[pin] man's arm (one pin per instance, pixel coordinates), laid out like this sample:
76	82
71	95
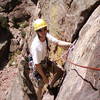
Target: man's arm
40	71
63	43
56	41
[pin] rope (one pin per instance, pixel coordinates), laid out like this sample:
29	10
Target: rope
88	67
68	60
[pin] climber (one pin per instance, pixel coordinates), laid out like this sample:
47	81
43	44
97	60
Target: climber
39	50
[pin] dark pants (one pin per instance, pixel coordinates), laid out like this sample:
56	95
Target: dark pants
48	67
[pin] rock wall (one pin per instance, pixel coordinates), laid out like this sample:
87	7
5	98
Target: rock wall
67	20
15	34
22	87
81	83
67	17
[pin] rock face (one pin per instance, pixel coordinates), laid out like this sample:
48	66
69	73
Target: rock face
22	87
67	17
15	16
69	20
80	83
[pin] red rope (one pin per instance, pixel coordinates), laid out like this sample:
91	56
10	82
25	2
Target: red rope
88	67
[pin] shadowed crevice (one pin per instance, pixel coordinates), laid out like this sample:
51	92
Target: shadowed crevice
35	1
11	5
32	95
85	14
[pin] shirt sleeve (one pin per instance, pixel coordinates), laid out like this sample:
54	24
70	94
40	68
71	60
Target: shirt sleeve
55	40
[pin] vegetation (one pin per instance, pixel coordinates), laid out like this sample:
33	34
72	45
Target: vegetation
12	57
3	22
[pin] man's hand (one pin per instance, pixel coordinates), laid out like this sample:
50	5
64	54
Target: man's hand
40	71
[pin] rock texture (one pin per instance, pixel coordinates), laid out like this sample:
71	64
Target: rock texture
68	20
15	16
22	87
81	83
6	80
67	17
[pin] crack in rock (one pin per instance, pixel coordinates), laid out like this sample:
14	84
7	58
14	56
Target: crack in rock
94	88
69	4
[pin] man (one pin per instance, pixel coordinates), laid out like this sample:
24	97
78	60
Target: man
39	52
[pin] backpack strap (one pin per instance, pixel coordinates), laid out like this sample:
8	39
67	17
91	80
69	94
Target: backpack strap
48	49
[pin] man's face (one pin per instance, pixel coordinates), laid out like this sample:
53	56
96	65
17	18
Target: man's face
42	32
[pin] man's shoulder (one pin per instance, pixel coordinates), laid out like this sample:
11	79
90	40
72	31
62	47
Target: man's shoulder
34	42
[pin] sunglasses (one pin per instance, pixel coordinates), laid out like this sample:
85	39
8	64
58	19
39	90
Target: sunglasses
42	30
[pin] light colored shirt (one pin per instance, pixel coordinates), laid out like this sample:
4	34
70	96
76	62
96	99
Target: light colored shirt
39	49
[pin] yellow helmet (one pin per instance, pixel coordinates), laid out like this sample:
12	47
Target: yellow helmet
38	24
